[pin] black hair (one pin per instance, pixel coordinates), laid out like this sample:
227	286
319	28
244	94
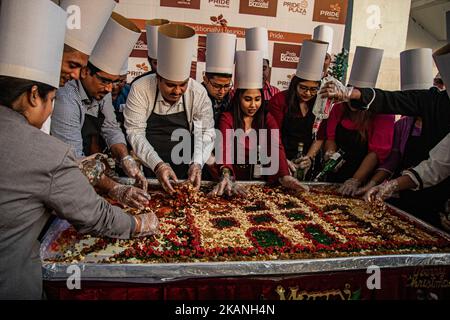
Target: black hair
69	49
12	88
293	100
238	115
92	69
210	75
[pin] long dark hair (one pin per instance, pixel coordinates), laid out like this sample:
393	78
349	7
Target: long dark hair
238	115
293	100
361	118
12	88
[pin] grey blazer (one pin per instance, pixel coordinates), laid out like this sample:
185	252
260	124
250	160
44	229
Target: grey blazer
37	175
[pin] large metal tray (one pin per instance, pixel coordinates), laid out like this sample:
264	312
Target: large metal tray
164	272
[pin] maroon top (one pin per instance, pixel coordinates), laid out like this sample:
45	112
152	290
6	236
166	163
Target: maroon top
226	123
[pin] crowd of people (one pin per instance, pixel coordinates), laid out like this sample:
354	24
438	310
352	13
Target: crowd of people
64	101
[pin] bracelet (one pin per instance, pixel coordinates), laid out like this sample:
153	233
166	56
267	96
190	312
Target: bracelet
225	171
137	228
127	157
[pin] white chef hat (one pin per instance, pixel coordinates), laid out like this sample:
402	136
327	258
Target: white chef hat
324	33
312	55
249	69
257	39
32	40
124	69
220	52
175	50
151	26
365	68
442	60
416	69
94	15
115	44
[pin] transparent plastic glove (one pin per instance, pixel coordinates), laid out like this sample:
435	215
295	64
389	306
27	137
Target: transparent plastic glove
164	173
195	175
336	91
131	169
328	155
293	184
129	196
304	163
292	167
92	167
350	187
147	224
382	192
362	190
227	186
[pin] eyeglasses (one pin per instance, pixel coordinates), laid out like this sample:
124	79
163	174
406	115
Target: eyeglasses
218	87
312	90
106	82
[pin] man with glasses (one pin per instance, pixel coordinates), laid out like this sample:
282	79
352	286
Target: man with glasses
84	114
218	86
220	51
168	115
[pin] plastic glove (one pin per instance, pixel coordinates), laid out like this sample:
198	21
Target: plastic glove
328	155
227	186
292	167
350	187
131	169
293	184
92	167
164	173
382	192
146	225
362	191
304	163
336	91
130	196
195	175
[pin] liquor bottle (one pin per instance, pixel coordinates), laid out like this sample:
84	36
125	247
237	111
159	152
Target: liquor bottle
332	163
300	173
257	168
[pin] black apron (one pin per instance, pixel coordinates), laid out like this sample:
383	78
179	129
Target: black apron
92	139
158	133
350	141
295	130
424	204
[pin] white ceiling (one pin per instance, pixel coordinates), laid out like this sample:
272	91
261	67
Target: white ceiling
430	15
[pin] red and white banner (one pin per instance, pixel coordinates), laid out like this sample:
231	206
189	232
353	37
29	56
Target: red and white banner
289	22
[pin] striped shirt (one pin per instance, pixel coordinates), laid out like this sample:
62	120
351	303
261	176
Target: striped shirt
71	105
269	91
139	107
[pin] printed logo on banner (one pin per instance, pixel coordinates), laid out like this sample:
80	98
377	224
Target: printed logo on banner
285	55
330	11
219	20
186	4
283	84
137	66
140	48
299	7
259	7
220	3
